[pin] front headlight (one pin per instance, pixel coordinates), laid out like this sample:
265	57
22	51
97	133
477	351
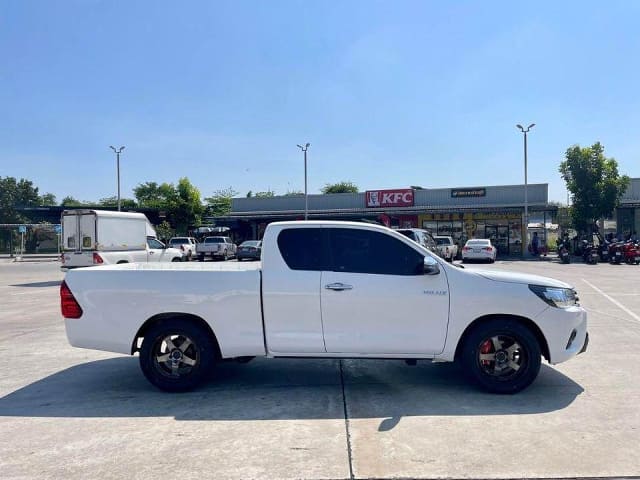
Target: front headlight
556	297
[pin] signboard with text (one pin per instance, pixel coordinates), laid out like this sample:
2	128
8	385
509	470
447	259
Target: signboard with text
390	198
468	192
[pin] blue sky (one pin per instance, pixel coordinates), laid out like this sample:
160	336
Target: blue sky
389	94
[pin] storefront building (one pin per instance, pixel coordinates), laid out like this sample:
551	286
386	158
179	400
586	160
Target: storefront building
628	213
494	212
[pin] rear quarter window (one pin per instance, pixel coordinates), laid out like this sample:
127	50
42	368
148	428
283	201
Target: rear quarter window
303	248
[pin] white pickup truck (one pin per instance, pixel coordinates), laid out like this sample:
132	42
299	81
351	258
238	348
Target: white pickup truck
447	247
216	247
325	290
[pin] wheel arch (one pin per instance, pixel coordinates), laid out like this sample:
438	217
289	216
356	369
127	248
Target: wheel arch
187	317
526	322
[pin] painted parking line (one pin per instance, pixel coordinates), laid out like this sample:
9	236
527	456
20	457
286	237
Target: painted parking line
613	300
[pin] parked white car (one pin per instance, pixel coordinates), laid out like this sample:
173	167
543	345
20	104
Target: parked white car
186	244
446	246
325	290
479	249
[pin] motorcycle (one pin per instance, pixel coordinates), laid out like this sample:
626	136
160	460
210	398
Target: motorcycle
631	253
563	252
615	253
589	253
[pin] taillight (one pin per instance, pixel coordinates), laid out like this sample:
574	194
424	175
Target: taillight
465	249
97	259
68	304
488	249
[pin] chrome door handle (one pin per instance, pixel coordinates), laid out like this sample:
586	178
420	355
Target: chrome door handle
338	286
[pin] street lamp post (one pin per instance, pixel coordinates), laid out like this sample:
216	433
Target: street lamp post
118	151
526	199
306	198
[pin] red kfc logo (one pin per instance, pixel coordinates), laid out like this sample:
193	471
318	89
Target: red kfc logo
390	198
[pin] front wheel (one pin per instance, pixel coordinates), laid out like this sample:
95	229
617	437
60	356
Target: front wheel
501	356
176	355
176	259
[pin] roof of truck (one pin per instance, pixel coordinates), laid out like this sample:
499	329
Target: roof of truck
104	213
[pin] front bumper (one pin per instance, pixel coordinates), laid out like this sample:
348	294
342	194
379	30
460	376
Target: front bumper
565	330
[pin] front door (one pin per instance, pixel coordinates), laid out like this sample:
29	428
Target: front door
376	299
499	236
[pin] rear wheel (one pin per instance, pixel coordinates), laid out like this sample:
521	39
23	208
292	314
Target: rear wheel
176	259
501	356
176	355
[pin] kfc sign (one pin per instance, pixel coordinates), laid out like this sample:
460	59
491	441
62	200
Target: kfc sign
390	198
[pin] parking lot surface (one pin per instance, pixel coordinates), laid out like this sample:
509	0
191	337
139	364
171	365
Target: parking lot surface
77	414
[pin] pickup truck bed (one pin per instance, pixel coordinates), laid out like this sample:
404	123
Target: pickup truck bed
226	294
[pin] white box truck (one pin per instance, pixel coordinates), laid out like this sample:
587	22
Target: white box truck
99	237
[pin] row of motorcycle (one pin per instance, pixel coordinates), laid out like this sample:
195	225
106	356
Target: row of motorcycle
613	252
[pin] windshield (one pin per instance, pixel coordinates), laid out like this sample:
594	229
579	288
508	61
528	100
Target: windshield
214	240
177	241
443	241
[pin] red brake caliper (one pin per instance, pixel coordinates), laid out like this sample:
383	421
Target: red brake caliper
486	348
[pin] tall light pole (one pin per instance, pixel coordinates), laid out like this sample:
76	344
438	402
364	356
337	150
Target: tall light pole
526	199
118	167
306	198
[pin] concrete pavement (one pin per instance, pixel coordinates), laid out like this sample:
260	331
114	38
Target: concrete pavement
73	413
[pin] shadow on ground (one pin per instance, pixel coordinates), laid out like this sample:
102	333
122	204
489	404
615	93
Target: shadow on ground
54	283
283	389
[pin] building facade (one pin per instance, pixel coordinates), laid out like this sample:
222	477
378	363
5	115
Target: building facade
494	212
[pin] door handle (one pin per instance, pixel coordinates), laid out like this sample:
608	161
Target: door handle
338	286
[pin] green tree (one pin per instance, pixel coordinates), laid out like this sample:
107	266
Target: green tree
152	195
113	202
69	201
164	231
594	182
187	208
267	194
181	203
48	200
341	187
219	203
15	194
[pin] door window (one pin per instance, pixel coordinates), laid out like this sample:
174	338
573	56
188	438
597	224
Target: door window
303	248
154	243
364	251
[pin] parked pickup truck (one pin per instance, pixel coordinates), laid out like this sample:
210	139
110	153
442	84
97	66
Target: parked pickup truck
187	245
325	290
446	246
216	247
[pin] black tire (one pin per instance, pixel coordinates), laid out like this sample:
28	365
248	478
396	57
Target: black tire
201	257
508	369
176	259
121	262
192	365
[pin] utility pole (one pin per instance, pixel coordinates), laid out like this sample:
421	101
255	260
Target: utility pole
306	198
118	151
526	199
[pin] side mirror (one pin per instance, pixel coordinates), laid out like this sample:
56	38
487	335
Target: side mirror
431	266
